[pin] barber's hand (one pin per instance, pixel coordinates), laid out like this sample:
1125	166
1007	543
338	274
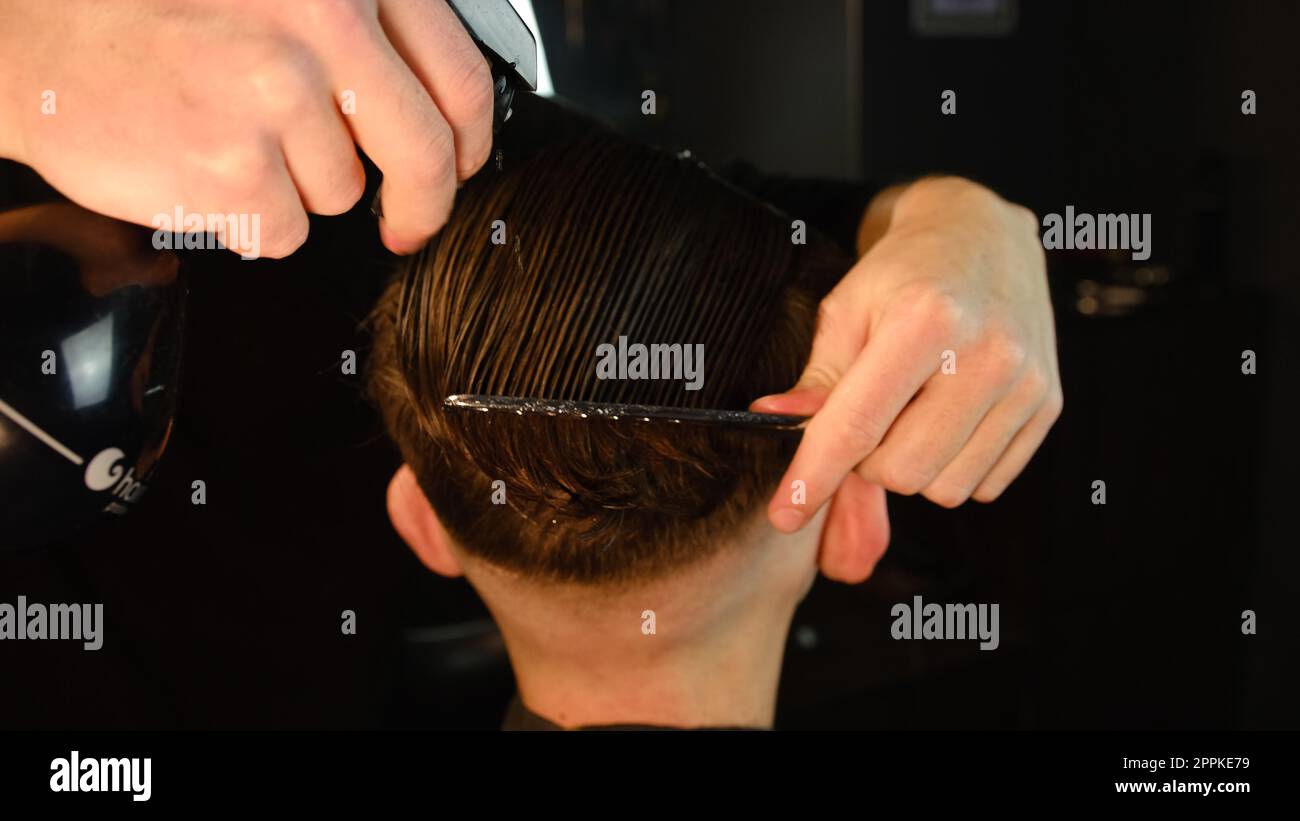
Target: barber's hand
235	107
957	276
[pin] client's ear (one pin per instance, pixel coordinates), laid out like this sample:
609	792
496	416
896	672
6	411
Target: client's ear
418	525
856	532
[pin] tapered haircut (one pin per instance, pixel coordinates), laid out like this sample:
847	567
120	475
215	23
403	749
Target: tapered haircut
603	237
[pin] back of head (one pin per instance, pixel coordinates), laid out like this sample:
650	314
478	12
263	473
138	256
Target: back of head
603	238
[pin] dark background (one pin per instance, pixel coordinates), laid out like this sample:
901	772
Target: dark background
1118	616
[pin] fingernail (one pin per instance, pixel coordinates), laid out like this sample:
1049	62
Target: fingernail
774	403
797	401
787	520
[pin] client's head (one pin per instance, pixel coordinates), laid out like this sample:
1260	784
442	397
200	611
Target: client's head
572	528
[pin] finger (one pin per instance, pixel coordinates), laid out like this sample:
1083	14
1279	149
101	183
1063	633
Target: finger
402	131
796	402
930	432
933	430
837	342
903	353
432	41
1019	452
269	217
322	159
991	438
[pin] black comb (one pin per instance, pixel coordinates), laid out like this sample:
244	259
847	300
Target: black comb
618	412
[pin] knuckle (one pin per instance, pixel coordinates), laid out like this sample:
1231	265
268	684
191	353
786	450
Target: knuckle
936	309
284	239
284	230
238	173
1026	216
282	82
433	165
900	476
1035	385
474	160
829	313
987	492
334	18
344	193
471	90
862	430
1006	354
947	495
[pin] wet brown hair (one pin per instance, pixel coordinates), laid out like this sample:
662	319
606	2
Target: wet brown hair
604	237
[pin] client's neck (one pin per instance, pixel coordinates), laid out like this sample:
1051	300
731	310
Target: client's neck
717	678
700	650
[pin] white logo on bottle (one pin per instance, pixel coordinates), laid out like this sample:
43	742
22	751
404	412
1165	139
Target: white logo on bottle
105	472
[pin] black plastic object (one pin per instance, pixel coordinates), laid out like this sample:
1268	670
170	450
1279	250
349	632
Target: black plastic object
91	321
627	413
511	49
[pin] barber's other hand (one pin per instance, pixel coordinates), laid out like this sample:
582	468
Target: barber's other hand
954	274
236	107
